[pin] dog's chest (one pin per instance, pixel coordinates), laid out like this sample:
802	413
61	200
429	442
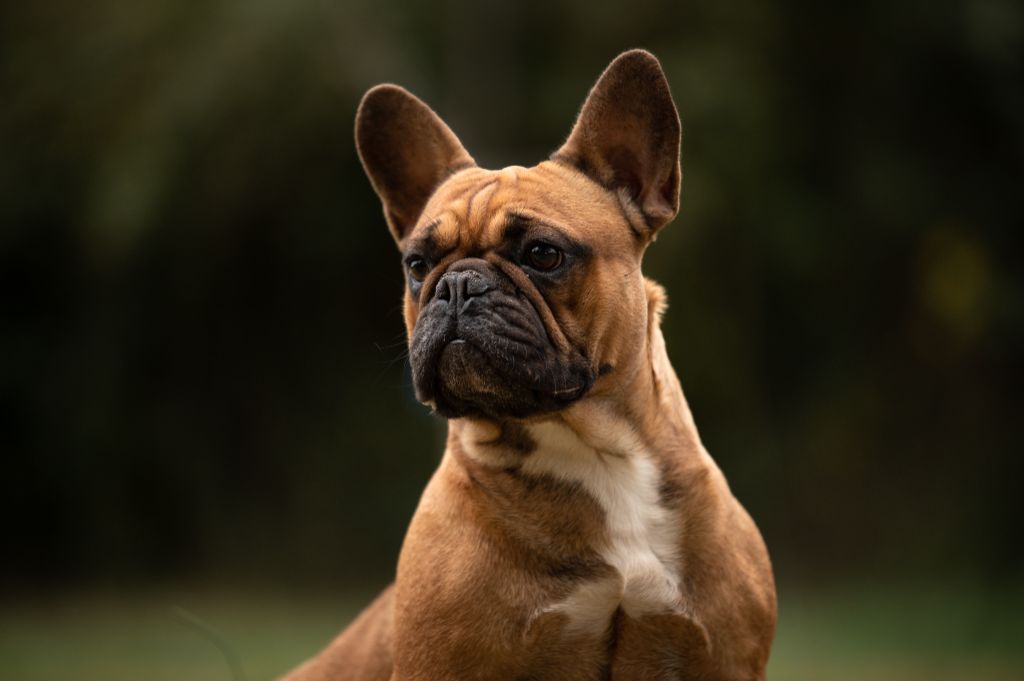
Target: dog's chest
641	536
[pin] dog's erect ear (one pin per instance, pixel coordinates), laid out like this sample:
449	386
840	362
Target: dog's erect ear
407	151
627	138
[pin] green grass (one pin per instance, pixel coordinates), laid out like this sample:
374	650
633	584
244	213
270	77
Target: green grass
932	633
927	633
147	637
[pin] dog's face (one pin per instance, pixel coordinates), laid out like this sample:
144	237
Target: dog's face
520	289
524	292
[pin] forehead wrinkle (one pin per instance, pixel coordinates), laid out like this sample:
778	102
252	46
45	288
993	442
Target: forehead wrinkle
487	191
496	211
463	181
495	229
450	196
459	204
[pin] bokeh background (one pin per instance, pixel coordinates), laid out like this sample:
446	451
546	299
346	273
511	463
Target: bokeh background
210	445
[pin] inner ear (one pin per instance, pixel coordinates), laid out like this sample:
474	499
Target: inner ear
627	137
407	152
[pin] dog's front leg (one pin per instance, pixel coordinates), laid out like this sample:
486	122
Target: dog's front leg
663	647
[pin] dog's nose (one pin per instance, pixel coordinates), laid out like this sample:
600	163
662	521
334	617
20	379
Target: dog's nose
459	287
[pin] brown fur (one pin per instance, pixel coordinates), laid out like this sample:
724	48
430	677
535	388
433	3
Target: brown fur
493	544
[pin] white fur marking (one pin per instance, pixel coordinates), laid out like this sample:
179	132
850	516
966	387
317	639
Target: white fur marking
590	606
642	536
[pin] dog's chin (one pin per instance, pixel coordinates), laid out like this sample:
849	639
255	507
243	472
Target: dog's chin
466	381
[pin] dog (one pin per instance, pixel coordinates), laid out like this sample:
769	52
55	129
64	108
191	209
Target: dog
576	528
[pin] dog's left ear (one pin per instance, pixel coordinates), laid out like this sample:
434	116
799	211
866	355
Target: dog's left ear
627	138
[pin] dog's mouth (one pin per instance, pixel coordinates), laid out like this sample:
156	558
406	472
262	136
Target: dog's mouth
490	355
467	380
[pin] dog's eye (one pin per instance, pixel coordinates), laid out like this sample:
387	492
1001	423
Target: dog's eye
543	257
417	268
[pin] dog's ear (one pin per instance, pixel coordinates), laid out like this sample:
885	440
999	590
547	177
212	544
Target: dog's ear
407	151
627	138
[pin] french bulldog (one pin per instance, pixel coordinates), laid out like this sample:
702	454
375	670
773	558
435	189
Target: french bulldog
576	528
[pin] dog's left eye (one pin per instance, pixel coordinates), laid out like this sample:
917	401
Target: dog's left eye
544	257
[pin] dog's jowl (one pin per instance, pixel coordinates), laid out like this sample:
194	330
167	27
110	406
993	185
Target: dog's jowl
576	528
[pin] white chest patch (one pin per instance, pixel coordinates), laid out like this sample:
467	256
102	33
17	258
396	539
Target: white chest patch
642	537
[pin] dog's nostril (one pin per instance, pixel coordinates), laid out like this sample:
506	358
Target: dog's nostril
476	285
444	291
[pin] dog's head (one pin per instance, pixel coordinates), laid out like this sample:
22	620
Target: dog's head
524	292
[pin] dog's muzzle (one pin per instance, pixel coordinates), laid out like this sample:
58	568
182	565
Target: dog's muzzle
479	348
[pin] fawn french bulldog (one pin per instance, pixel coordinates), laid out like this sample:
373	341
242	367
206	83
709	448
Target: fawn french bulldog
576	528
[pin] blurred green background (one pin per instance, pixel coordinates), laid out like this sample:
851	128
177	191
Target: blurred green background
204	400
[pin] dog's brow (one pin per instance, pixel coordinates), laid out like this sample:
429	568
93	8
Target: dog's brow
520	223
520	220
425	243
430	227
515	226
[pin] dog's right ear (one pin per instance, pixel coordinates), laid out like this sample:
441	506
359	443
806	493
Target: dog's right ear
407	152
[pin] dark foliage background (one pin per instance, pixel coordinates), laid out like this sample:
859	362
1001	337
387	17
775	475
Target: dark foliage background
202	354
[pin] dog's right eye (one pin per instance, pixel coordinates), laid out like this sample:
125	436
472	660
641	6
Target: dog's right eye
418	269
